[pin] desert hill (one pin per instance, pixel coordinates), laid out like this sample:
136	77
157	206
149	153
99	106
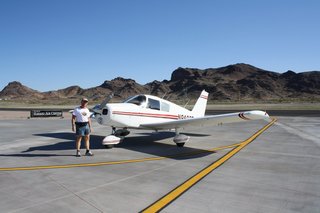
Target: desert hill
238	82
16	90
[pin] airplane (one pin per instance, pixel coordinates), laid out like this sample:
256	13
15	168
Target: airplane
153	113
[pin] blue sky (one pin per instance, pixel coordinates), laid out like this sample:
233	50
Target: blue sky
49	45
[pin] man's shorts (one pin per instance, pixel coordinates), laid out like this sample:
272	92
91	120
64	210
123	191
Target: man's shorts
82	129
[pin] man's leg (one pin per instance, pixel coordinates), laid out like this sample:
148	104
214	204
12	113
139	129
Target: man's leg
78	145
78	142
87	141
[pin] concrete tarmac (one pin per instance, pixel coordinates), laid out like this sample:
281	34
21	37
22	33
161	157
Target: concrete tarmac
276	172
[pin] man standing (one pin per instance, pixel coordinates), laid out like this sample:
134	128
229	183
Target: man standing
81	120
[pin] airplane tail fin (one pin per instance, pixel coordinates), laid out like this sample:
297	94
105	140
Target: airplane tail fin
199	108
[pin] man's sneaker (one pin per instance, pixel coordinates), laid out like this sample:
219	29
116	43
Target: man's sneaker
89	153
78	154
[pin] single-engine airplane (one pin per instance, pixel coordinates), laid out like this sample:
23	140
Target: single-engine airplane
154	113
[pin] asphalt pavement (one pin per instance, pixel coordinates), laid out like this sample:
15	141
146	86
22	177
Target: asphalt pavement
221	169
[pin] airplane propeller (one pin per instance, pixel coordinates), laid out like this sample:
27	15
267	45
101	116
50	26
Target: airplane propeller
98	108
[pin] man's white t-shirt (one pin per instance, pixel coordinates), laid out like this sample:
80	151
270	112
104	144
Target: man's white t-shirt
81	114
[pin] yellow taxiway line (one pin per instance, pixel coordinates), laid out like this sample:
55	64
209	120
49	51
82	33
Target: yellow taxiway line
180	155
178	191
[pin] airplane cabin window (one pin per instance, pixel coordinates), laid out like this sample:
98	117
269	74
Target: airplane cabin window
138	100
165	107
153	104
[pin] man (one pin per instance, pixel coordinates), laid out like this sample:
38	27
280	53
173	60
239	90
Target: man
81	120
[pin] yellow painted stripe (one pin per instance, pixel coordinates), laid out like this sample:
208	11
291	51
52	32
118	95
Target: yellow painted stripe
174	194
180	155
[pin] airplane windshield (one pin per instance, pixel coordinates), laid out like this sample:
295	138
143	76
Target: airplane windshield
137	100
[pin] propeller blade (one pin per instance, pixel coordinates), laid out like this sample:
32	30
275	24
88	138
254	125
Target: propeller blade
98	108
105	101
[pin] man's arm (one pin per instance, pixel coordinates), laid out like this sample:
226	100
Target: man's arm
73	120
89	122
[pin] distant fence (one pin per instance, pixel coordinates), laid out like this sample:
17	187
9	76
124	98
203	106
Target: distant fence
46	113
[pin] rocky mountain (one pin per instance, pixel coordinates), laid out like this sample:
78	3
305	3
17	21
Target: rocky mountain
241	82
15	90
238	82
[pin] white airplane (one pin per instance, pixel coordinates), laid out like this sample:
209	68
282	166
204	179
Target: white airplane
154	113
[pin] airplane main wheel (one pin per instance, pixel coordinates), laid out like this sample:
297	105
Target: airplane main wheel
180	144
109	146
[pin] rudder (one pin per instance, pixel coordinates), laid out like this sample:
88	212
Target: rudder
199	108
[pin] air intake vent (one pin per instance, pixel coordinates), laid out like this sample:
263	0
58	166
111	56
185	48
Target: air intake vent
105	111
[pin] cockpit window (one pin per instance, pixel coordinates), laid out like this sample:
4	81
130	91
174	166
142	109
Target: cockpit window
137	100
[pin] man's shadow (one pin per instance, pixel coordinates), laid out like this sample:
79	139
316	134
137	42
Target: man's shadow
67	144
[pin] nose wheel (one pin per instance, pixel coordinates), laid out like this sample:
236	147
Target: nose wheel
117	135
180	144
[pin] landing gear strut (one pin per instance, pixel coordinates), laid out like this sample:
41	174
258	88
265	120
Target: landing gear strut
180	139
113	132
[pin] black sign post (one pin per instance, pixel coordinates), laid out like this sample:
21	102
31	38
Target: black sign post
45	113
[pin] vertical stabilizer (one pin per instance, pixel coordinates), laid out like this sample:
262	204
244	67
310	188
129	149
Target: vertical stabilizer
199	108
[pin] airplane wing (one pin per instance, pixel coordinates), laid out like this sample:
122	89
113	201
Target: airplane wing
210	120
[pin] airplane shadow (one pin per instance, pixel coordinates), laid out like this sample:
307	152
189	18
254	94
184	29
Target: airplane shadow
148	143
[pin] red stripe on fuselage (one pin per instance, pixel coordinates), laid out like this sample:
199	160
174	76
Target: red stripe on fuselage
152	115
204	96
